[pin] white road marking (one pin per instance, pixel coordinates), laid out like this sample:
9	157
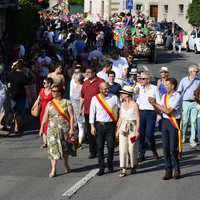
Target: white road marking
80	183
145	68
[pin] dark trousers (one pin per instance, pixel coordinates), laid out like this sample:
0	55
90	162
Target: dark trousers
170	143
79	59
91	138
147	123
105	132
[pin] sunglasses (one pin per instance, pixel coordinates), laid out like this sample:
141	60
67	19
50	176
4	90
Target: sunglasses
42	51
130	57
44	83
143	78
196	71
53	91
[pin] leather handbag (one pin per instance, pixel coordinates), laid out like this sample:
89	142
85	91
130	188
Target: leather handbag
37	110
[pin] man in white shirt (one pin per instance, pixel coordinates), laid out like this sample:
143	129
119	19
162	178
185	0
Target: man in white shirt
50	34
107	66
95	53
105	126
120	67
22	48
147	114
44	62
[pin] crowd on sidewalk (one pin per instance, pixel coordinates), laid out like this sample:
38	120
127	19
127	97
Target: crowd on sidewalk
79	99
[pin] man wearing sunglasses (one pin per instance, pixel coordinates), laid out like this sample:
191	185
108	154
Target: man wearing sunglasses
132	64
186	88
147	114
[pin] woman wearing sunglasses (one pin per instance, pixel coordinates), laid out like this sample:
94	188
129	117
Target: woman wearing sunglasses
44	97
60	131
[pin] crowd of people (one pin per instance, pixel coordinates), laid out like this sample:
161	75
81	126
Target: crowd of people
82	100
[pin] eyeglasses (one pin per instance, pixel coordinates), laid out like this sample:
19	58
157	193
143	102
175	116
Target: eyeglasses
138	78
143	78
53	91
130	57
88	72
105	89
42	51
44	83
196	71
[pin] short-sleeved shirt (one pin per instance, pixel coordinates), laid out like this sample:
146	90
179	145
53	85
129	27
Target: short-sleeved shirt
119	67
185	82
17	80
80	45
115	88
103	76
45	69
133	65
89	90
175	101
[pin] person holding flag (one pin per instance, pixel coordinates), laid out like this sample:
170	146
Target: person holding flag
103	108
171	104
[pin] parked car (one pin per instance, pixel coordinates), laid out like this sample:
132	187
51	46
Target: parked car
160	27
193	42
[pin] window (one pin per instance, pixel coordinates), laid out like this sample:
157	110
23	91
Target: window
181	8
90	6
139	7
102	7
166	9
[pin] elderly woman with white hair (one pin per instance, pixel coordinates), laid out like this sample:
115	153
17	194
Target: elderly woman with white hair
75	99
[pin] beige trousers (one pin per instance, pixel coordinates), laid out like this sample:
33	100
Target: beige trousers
126	148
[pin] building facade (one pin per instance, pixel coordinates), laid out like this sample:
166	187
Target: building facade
175	10
109	7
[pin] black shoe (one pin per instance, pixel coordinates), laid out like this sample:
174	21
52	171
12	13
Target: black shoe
141	158
4	129
100	172
110	169
91	156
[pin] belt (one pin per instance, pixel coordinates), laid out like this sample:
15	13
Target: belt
190	100
168	119
104	123
147	110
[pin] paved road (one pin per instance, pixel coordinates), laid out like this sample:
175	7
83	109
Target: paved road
24	167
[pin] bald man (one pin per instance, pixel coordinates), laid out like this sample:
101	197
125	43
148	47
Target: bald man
105	130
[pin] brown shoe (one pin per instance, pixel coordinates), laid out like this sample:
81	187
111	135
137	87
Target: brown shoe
167	176
177	174
155	155
141	158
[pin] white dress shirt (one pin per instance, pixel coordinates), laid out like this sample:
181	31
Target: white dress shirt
142	96
96	108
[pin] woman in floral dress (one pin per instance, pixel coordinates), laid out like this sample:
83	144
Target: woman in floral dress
59	132
75	98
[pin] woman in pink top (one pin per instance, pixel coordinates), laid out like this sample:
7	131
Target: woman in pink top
84	56
179	40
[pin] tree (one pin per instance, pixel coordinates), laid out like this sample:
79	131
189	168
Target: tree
75	2
193	13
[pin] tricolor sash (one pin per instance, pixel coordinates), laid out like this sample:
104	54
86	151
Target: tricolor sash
106	107
110	112
60	110
174	122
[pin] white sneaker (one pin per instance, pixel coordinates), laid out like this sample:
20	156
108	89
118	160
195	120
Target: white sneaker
193	144
183	140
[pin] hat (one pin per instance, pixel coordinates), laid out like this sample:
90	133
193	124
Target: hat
164	69
133	71
140	25
127	89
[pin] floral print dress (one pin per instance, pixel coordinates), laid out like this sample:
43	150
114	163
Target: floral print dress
57	134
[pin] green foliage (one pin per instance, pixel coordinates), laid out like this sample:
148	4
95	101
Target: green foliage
22	23
43	4
193	13
75	2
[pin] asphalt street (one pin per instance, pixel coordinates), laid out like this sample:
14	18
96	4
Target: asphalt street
24	167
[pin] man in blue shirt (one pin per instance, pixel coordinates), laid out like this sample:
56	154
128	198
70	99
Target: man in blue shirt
169	131
114	88
80	46
186	88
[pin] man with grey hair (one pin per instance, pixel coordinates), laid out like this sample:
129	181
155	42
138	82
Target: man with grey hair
186	88
147	113
95	53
